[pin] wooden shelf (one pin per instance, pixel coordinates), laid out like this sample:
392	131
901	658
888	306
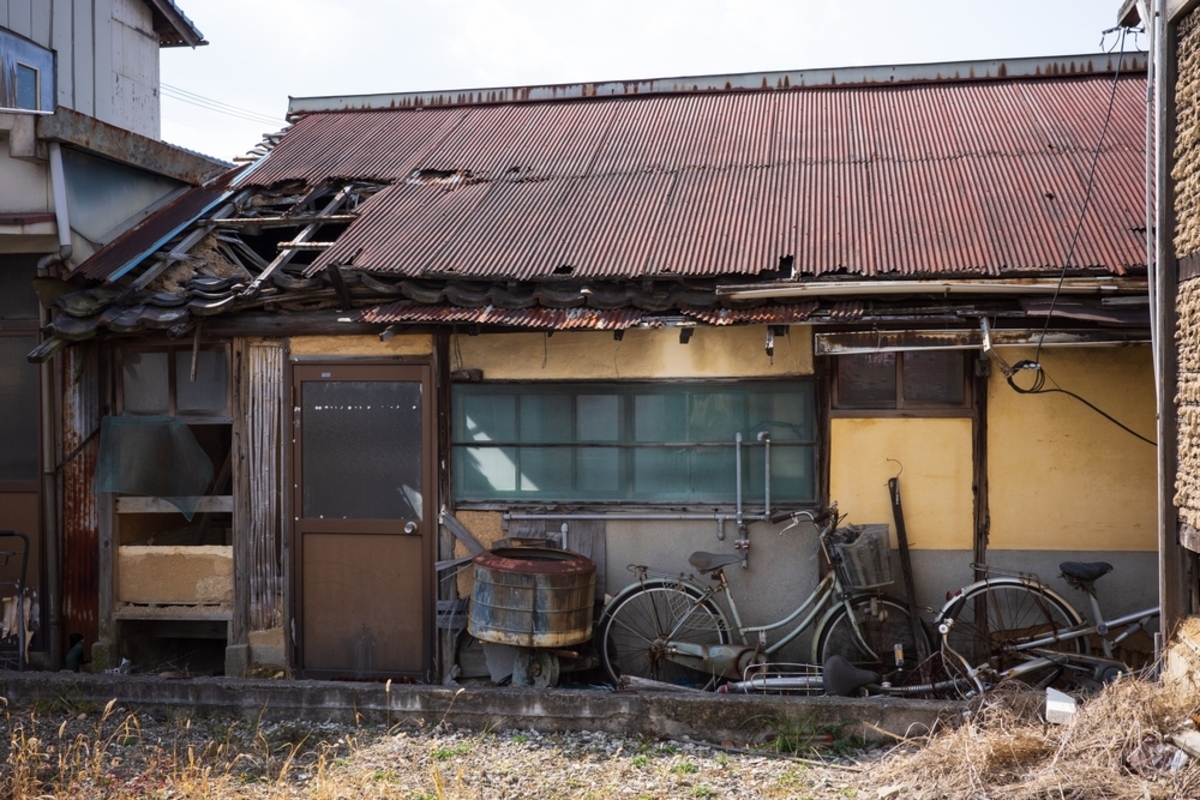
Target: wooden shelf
221	504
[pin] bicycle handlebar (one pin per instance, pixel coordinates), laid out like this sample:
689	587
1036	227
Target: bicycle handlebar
781	516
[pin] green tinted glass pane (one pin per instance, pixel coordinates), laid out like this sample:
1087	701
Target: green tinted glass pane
598	470
597	418
934	377
714	473
659	417
27	87
486	471
715	416
546	471
792	474
547	418
485	417
660	473
787	414
867	380
144	383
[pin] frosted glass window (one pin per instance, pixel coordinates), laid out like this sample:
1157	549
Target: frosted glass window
651	443
361	450
209	392
145	383
934	376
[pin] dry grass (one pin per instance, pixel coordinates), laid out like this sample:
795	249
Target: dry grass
1117	745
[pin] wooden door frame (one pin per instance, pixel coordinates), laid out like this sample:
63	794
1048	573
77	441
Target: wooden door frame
429	477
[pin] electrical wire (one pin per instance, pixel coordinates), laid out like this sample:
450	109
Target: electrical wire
209	104
1087	197
1039	387
1035	365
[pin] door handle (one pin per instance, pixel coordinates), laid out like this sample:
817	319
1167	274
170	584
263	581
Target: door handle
410	527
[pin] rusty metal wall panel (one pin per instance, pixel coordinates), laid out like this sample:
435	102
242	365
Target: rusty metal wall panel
80	518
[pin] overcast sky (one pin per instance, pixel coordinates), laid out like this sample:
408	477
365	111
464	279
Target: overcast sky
262	51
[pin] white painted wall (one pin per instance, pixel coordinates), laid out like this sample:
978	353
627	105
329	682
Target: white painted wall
107	56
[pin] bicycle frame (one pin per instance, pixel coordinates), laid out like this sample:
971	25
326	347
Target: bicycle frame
1100	666
731	660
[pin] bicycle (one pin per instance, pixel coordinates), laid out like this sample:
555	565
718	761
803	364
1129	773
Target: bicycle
672	629
1014	627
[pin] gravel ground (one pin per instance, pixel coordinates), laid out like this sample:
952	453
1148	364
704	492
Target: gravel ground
90	753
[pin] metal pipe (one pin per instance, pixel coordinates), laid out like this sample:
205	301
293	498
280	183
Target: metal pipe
737	449
1019	286
50	524
765	438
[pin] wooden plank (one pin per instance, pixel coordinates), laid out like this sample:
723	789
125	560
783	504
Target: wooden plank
461	533
242	555
20	17
104	79
41	23
62	41
83	99
221	504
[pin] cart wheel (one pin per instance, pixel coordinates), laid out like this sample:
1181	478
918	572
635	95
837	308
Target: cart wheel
537	668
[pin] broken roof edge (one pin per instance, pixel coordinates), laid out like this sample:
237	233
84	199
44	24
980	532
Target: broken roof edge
176	22
934	72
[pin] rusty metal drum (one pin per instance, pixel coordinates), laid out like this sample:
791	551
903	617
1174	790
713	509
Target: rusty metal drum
532	597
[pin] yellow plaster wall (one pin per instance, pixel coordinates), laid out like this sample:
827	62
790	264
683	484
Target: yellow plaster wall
935	485
1061	476
405	345
712	353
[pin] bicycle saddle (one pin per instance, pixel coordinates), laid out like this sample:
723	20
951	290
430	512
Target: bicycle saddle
843	679
1084	571
706	562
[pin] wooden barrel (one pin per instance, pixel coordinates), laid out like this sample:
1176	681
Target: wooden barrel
532	597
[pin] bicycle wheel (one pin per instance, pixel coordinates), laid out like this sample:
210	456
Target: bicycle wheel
995	624
881	622
634	632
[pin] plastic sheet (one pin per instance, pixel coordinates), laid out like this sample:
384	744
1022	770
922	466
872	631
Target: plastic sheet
153	457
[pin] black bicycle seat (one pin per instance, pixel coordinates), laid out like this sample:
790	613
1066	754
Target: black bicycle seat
843	679
706	562
1085	571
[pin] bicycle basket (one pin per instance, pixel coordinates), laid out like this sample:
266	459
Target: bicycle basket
861	555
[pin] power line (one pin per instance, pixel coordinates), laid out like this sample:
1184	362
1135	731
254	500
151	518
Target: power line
219	107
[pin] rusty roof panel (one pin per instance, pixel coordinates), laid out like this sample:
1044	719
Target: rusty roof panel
536	318
765	315
968	178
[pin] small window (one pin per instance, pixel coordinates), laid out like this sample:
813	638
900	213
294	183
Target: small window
175	381
28	90
915	379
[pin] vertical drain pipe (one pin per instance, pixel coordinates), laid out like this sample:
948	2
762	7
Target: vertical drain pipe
53	593
743	541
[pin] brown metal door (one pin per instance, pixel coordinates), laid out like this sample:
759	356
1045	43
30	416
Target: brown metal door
363	501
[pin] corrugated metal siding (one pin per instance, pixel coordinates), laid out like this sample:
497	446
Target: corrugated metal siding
80	522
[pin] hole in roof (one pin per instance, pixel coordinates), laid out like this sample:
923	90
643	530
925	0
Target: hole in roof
565	269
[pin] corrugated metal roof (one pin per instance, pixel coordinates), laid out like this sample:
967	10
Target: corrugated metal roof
969	178
556	319
580	318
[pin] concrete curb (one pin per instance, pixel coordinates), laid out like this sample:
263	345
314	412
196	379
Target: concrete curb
699	716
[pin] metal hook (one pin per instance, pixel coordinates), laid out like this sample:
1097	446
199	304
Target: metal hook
894	461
